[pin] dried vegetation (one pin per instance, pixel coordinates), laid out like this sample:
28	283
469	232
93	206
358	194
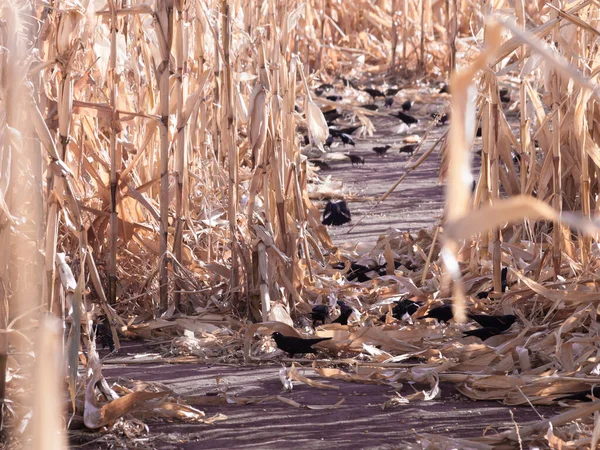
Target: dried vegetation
152	173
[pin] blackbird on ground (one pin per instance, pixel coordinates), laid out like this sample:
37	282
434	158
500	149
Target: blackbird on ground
103	333
359	272
328	141
349	83
483	333
441	118
382	150
392	91
583	396
389	101
345	313
355	159
410	148
373	92
347	139
503	279
332	115
502	323
294	345
348	130
401	308
370	107
326	86
406	105
336	213
407	119
441	313
319	313
320	164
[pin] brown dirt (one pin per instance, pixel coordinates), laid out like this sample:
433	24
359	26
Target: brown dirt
359	422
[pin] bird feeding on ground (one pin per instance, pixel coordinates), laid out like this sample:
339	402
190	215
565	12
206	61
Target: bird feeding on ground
373	92
407	119
389	101
381	151
410	149
370	107
345	313
356	160
483	333
294	345
501	323
336	213
441	313
347	139
319	313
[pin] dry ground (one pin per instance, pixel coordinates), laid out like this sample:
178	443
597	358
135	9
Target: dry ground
360	422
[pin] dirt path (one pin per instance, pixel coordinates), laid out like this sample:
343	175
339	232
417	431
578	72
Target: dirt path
359	422
416	203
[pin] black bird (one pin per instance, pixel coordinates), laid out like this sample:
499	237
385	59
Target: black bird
404	306
392	92
389	101
326	86
359	272
410	148
355	159
483	333
382	150
349	83
328	141
348	130
406	105
583	396
408	120
374	92
345	313
441	313
320	164
319	313
443	118
332	115
103	333
294	345
347	139
502	323
334	98
445	89
370	107
503	279
336	213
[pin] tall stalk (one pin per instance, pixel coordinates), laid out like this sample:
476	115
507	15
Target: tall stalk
164	31
114	218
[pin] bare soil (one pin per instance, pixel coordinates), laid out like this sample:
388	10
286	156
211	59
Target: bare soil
359	422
